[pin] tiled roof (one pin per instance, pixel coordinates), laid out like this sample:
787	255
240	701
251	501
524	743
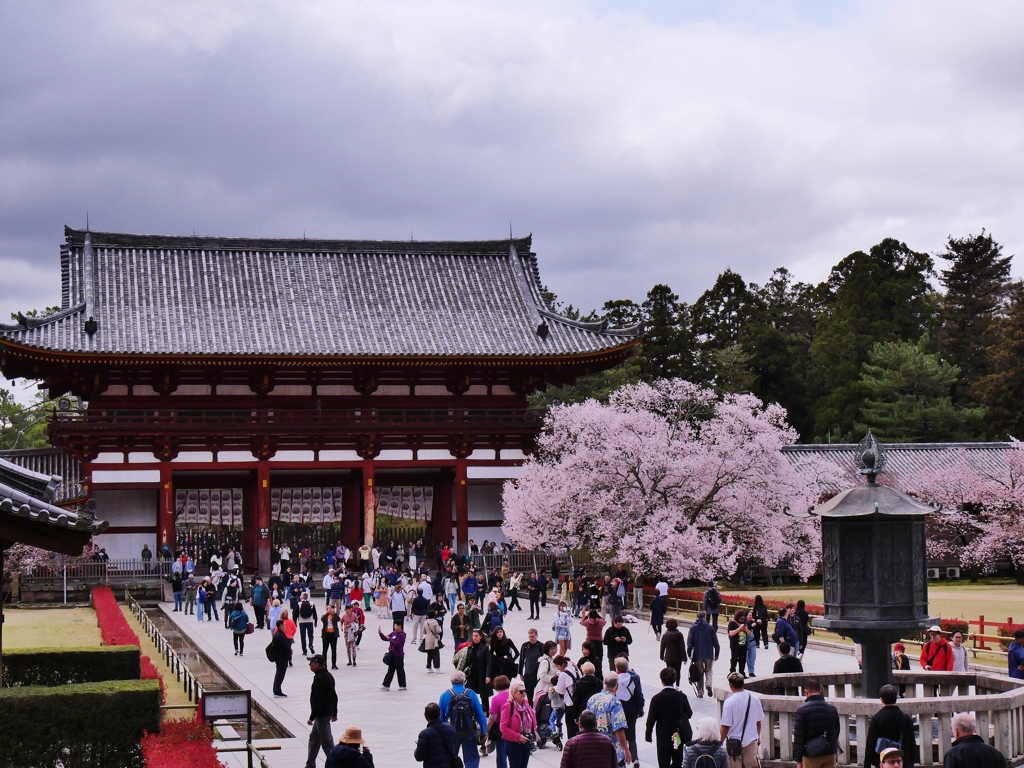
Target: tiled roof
152	295
52	466
18	500
907	458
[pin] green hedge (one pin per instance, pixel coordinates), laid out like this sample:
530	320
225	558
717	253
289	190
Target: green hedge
90	725
66	666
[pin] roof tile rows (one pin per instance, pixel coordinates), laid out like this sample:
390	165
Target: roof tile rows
181	295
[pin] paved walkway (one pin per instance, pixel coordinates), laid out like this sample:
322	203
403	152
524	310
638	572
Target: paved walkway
391	721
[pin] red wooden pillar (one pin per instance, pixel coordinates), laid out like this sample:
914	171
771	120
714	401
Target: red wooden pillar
461	507
369	504
263	541
351	515
165	535
441	522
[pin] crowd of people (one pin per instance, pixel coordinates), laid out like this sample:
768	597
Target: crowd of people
508	699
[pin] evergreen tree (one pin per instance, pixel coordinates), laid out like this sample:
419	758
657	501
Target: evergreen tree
879	296
907	396
23	426
975	283
1002	390
667	350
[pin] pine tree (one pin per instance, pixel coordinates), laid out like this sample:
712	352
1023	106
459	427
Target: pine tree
975	283
667	350
1002	390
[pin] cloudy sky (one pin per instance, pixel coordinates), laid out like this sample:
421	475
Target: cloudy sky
640	142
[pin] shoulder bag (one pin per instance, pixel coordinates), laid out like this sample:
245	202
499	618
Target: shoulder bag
456	761
734	747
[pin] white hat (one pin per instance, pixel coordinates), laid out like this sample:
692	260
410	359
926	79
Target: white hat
935	628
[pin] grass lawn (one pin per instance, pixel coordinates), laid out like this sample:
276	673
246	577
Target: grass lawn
958	600
50	627
175	693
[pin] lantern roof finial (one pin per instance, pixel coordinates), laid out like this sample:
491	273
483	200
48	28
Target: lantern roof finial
870	457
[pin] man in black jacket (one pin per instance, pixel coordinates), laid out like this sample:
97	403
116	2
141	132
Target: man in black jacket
815	729
529	661
586	686
892	724
283	655
437	743
323	710
969	750
669	713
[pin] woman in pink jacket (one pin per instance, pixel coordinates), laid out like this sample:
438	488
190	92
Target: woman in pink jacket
518	726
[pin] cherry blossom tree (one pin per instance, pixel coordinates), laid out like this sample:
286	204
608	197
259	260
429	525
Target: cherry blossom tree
984	508
671	478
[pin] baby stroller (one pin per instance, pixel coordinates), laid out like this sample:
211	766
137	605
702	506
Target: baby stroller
542	710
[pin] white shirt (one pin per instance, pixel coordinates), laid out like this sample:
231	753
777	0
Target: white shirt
328	581
428	591
398	599
285	552
960	661
733	711
662	588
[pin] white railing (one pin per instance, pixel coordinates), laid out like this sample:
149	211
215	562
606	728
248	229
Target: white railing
934	697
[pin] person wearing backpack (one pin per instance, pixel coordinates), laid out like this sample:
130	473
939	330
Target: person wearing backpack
306	621
706	750
239	622
461	708
669	717
586	686
712	604
631	696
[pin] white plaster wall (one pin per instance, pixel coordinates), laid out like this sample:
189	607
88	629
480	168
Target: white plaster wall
126	507
122	546
484	502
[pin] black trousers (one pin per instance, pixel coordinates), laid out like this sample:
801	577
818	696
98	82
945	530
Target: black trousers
514	602
738	660
534	605
282	667
330	641
668	757
396	666
530	681
398	617
261	613
433	659
713	620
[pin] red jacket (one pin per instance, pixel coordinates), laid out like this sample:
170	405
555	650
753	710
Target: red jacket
937	655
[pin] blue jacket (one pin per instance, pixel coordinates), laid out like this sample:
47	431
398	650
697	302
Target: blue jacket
470	586
260	593
1015	659
702	641
784	631
446	700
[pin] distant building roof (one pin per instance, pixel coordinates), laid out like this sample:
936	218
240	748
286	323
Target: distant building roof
60	470
196	296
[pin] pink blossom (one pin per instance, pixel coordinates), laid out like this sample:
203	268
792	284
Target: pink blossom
671	478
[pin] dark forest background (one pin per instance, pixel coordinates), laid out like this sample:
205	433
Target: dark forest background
889	342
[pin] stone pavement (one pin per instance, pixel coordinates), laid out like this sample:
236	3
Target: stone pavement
391	721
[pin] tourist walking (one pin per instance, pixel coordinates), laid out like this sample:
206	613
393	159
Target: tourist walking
494	742
515	583
702	641
707	744
751	643
518	726
562	627
761	619
323	710
659	603
970	750
504	656
611	719
673	648
740	729
617	640
533	590
784	631
189	587
802	625
420	605
561	698
529	659
350	752
239	621
306	621
594	625
668	719
461	708
352	629
936	654
282	645
631	696
589	748
432	642
176	588
712	604
815	729
395	657
477	666
889	727
961	659
437	744
258	601
329	633
736	629
398	600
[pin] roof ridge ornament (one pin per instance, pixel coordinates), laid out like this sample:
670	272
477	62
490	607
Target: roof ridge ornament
871	458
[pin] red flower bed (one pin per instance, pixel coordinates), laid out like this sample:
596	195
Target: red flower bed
116	630
1007	631
181	743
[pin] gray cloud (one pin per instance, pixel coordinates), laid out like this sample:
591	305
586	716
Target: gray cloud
640	144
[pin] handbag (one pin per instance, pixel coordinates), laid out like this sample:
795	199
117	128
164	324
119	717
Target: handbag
423	645
388	659
818	747
455	760
734	747
249	628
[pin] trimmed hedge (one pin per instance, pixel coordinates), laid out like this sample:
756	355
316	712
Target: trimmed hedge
116	630
66	666
90	725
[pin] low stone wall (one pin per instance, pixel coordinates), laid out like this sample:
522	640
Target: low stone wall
995	700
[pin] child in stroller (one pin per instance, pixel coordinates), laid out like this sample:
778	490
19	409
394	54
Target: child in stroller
543	711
